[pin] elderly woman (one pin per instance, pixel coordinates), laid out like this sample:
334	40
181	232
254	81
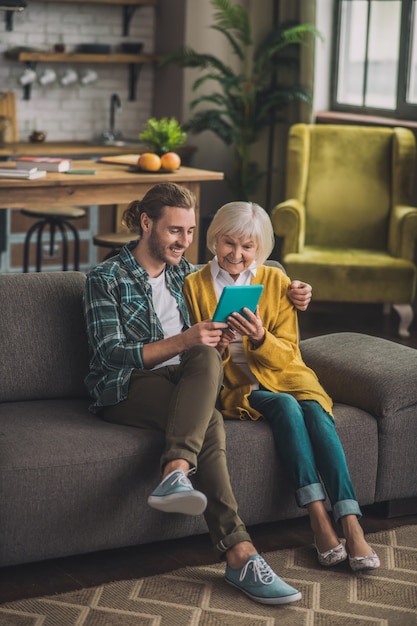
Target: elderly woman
265	376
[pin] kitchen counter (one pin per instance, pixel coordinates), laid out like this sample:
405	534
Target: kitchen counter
110	185
80	149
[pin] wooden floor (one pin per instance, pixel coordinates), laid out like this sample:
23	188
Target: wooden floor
69	574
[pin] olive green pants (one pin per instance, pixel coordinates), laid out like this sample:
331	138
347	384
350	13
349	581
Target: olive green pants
179	400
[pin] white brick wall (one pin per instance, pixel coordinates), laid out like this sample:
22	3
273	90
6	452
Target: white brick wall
78	112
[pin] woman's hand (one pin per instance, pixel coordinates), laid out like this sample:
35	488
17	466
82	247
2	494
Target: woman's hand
300	294
228	335
249	324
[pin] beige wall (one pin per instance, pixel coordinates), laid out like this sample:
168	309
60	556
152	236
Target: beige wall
212	153
322	61
190	20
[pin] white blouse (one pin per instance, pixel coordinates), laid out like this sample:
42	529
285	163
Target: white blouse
221	278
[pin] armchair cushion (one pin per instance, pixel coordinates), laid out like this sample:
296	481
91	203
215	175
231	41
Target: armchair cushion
347	206
337	274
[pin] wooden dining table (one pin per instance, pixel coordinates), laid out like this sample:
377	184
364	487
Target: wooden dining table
111	184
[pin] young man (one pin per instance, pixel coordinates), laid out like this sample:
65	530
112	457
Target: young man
150	369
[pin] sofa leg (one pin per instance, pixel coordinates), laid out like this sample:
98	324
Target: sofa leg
401	507
406	313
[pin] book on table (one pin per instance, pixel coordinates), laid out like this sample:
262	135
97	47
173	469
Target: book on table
31	174
49	164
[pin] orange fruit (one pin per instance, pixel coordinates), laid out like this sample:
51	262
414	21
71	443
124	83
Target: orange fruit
170	161
149	161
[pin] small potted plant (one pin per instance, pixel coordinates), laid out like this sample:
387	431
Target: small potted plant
163	135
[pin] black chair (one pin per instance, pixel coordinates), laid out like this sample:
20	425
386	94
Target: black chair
116	239
58	220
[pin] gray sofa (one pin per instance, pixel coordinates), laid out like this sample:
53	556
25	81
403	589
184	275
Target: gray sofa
71	484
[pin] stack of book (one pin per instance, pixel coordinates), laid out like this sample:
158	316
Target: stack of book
49	164
27	174
30	167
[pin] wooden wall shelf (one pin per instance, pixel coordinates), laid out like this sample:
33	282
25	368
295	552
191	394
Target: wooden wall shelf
119	2
134	61
128	6
77	57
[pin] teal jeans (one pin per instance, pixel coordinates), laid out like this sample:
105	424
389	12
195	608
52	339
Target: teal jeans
179	400
308	446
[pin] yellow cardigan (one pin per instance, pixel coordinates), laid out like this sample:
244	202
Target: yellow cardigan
277	363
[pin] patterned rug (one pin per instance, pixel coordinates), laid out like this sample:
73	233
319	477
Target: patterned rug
198	596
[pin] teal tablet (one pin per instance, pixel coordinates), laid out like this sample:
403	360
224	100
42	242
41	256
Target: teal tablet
234	298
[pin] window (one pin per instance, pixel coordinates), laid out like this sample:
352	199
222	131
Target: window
376	57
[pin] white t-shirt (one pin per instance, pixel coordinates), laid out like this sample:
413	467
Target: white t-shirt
167	310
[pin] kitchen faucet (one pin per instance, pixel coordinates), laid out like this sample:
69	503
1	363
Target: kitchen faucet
115	104
110	136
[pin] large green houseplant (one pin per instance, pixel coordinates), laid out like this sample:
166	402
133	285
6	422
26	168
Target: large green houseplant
246	101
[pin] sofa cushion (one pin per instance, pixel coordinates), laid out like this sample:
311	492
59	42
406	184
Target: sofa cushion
378	376
43	343
72	483
371	373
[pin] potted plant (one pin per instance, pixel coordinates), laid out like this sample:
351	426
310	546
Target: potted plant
249	100
163	135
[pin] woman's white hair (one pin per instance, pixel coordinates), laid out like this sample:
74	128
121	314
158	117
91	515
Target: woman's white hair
243	220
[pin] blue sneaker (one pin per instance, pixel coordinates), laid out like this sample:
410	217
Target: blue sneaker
260	583
175	494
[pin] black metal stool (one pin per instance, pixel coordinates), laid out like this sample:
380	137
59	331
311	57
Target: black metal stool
114	241
57	220
119	237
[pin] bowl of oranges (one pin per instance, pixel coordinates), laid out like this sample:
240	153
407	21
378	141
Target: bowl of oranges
152	162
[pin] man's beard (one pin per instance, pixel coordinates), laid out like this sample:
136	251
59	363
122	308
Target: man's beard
157	251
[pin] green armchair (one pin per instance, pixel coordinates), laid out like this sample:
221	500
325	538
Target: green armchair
347	227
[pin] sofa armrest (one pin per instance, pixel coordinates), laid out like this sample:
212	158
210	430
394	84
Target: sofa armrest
403	232
370	373
288	220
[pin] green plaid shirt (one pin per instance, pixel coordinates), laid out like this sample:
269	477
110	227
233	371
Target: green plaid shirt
121	319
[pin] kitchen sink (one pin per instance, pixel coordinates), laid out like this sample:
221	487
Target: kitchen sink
117	142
